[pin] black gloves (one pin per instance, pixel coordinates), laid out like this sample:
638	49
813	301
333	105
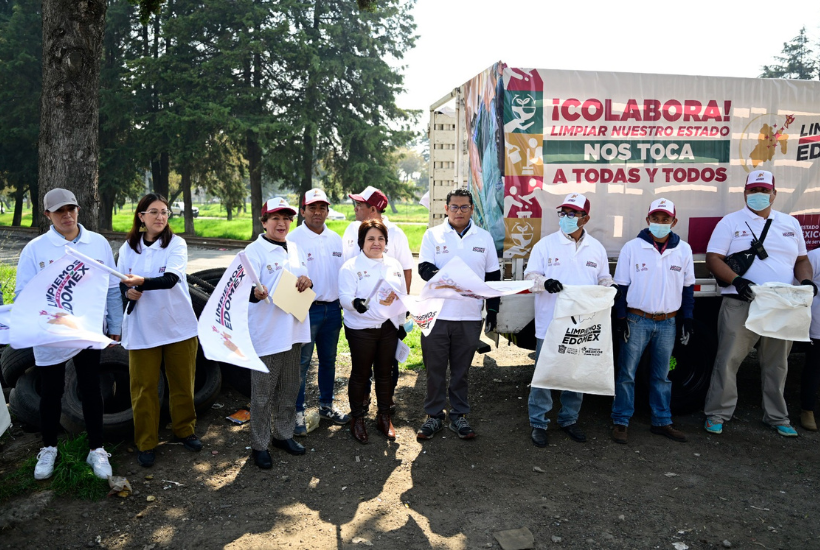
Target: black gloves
622	329
358	305
744	288
687	330
491	321
552	286
809	282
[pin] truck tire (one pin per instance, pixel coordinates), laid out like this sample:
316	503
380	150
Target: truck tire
14	362
237	377
24	400
202	284
211	276
198	299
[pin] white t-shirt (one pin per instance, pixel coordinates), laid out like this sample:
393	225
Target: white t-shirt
162	316
358	278
397	245
272	330
47	248
784	243
323	256
655	280
814	258
440	244
557	257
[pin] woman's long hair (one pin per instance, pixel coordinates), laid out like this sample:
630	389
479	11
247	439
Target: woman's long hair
134	236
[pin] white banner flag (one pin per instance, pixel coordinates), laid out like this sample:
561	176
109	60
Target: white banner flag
223	326
5	323
62	306
456	281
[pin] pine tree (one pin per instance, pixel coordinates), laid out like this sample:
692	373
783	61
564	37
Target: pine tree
797	61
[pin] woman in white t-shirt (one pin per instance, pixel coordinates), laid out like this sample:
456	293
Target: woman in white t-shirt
371	329
159	324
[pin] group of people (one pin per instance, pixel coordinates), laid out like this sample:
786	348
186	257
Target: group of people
150	312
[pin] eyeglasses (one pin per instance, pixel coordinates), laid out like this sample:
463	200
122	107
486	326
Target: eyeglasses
571	214
464	208
154	212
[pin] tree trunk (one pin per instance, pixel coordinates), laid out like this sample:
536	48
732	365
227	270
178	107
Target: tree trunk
33	188
307	166
159	173
185	183
107	199
393	207
230	213
255	169
17	218
69	107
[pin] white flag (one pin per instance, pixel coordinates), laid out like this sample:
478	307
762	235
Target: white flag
62	306
5	323
456	281
223	326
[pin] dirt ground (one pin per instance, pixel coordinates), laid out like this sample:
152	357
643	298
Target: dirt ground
749	486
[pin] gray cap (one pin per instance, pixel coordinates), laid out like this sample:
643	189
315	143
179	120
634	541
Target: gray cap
57	198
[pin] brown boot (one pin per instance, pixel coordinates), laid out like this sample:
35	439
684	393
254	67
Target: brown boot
385	426
358	430
807	421
669	431
619	433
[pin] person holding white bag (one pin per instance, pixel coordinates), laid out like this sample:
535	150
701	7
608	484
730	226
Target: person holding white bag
656	277
573	256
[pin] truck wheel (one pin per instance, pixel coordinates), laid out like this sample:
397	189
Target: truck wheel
202	284
211	276
14	362
24	400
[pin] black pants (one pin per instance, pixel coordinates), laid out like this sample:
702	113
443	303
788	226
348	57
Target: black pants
810	380
87	365
371	351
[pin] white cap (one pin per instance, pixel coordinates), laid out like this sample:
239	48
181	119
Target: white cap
576	201
276	205
760	178
314	195
662	205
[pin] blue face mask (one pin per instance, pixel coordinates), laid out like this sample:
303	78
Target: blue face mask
758	201
408	326
568	225
660	230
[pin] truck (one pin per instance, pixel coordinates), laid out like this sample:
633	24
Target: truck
522	139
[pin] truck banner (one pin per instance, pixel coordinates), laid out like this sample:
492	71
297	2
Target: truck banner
624	140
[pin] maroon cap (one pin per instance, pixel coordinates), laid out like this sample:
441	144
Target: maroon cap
371	196
760	178
577	202
277	205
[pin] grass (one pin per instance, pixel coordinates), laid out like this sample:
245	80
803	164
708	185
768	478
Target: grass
413	341
20	481
8	276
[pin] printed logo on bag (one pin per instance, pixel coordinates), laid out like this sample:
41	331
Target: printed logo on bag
223	306
675	268
592	264
562	348
641	267
594	352
788	234
574	336
337	254
425	319
61	292
478	249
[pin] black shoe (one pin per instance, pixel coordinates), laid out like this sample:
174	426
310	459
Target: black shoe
192	443
262	459
146	458
289	446
539	437
575	433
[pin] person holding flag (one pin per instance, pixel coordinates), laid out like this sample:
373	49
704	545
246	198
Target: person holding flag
159	324
572	256
61	208
277	336
369	286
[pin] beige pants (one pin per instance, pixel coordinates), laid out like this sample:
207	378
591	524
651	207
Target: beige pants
735	342
180	368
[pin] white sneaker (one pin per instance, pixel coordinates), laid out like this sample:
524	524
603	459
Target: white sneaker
45	462
299	430
98	460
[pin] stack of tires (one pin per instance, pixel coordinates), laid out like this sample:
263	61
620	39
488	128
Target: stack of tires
18	372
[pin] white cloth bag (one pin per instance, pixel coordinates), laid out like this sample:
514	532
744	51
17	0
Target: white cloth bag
577	350
781	311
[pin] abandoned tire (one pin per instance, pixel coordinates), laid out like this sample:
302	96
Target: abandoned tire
211	276
237	377
201	284
24	400
198	299
14	362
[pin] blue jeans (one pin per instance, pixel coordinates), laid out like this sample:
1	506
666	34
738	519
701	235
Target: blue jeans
325	325
540	402
660	337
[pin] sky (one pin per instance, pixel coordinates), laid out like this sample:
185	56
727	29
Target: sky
457	39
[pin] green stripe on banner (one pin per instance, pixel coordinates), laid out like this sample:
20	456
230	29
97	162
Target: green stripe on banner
635	152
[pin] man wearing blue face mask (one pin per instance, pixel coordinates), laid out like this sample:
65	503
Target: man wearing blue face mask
575	257
656	277
784	260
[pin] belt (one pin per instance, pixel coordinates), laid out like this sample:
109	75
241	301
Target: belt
320	303
653	316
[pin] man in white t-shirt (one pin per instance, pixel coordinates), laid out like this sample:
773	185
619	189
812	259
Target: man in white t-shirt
656	277
571	256
323	252
784	261
454	338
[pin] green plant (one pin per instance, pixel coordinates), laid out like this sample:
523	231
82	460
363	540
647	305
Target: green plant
20	481
8	277
72	475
